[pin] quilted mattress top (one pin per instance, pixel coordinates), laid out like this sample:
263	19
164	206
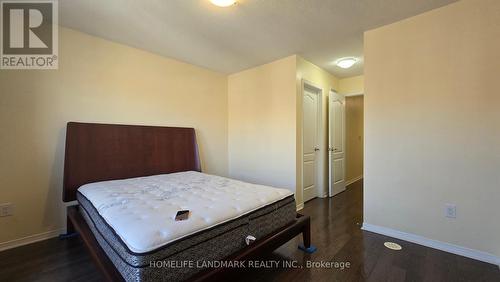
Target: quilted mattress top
142	210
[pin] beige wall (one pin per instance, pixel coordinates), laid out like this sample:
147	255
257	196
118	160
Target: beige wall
265	120
97	81
261	124
354	137
324	80
352	85
432	125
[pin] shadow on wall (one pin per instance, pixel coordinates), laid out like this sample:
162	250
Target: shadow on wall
54	212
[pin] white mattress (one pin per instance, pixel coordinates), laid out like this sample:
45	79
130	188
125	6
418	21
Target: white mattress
142	210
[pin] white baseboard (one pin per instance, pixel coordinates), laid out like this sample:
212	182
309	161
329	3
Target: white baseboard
30	239
300	206
446	247
349	182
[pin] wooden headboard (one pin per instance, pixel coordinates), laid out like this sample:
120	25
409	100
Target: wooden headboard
99	152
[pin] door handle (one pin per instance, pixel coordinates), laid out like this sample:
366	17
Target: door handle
316	149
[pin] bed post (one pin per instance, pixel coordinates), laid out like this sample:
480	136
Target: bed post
306	236
70	230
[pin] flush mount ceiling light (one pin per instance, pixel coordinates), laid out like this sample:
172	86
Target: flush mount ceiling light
223	3
346	63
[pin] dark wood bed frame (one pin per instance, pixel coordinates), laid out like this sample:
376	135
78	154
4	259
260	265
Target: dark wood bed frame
99	152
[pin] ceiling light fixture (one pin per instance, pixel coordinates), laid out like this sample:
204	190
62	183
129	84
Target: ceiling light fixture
346	63
223	3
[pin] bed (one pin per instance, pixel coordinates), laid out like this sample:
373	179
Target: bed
129	181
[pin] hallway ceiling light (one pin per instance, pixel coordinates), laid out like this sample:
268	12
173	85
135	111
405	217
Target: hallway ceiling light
223	3
346	63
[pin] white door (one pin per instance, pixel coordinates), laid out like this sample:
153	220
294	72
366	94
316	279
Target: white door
336	140
310	130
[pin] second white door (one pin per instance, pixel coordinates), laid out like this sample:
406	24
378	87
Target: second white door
336	147
310	140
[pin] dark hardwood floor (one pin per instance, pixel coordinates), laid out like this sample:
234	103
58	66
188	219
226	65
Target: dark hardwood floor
336	232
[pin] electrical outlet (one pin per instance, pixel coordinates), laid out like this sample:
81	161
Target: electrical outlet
450	211
6	209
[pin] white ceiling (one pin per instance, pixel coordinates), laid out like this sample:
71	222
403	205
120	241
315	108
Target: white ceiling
251	33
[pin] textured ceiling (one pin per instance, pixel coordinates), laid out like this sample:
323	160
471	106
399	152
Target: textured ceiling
248	34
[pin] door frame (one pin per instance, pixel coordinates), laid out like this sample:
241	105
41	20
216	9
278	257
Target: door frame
352	94
306	84
349	182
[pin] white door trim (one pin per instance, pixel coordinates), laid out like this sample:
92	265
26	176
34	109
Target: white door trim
320	175
351	94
